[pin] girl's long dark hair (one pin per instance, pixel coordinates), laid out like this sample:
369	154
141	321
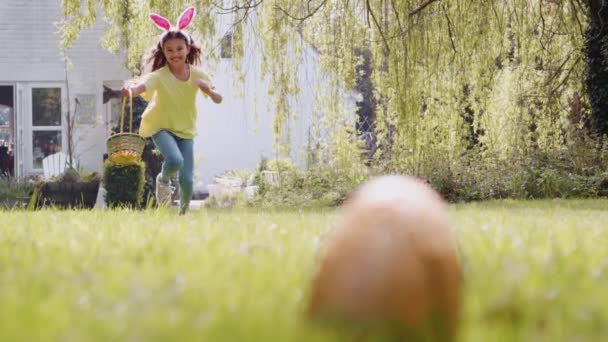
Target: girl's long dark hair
156	58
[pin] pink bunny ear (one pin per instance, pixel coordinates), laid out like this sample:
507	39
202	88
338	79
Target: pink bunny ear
186	18
160	22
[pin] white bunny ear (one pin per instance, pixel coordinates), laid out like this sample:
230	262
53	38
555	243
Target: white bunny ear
160	22
186	18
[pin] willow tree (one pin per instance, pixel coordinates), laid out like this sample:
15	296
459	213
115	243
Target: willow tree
597	61
129	32
510	69
502	78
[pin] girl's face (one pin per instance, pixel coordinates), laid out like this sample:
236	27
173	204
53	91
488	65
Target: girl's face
175	51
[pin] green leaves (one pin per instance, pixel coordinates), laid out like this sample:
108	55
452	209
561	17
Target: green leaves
124	184
444	77
128	29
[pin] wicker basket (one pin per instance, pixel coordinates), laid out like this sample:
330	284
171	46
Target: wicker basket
126	142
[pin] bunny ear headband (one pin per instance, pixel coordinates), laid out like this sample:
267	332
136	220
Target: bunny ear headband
184	20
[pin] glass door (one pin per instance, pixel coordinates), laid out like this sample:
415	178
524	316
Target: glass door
7	131
46	124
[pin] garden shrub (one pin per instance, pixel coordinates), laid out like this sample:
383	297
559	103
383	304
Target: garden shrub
124	179
319	185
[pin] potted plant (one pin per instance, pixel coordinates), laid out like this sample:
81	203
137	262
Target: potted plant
124	180
72	189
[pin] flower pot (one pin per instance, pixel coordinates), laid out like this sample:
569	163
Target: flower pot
81	194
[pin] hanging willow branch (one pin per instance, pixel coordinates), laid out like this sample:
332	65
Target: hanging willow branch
421	7
309	12
247	6
370	12
421	59
450	33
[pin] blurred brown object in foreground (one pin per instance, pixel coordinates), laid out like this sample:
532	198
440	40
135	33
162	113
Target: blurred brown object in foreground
391	258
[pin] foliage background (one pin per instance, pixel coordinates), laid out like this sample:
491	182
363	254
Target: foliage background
484	98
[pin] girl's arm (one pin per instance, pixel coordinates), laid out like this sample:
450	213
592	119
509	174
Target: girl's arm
136	89
205	88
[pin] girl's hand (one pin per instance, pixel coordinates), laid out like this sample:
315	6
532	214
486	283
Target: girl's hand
133	90
126	91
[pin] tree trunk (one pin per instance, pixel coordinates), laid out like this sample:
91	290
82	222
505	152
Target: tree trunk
597	64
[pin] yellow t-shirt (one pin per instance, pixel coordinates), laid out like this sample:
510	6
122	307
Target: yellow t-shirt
171	103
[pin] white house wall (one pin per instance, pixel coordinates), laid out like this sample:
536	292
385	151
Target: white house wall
238	132
32	55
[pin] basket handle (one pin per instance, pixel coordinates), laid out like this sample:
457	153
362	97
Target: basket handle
122	112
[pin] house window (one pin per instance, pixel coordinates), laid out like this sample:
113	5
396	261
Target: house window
46	106
226	46
46	123
6	131
6	114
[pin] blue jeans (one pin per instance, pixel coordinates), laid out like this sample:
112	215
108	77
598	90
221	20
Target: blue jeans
179	156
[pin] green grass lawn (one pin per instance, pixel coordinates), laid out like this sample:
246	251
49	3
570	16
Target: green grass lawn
534	271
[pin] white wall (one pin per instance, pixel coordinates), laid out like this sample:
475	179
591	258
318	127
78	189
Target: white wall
31	55
238	132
